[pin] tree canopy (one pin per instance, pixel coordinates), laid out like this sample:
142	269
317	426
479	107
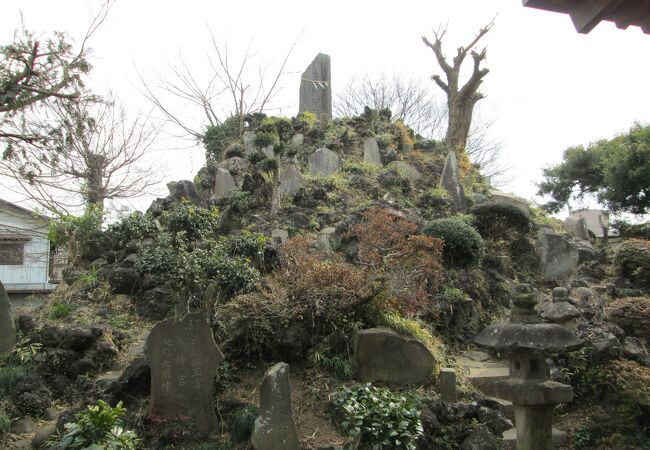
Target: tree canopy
616	171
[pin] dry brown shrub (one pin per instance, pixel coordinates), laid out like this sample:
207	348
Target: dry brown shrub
632	314
411	263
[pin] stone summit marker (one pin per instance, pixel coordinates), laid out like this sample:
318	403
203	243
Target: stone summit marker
316	88
183	358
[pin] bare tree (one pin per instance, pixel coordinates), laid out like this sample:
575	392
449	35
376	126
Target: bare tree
487	152
407	99
236	85
90	151
461	98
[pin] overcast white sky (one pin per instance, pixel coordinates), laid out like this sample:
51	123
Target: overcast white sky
548	87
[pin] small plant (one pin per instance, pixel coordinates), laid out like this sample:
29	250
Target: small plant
240	423
10	376
5	423
98	427
61	310
25	350
324	358
377	418
463	246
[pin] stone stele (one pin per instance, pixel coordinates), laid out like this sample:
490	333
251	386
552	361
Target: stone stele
183	358
275	428
316	88
450	181
7	328
323	162
380	354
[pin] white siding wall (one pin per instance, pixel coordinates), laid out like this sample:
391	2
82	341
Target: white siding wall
33	274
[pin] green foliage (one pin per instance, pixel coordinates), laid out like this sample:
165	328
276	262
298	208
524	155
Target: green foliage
135	227
633	261
10	376
61	310
377	418
541	217
323	357
463	245
217	138
5	422
630	230
274	131
81	227
617	171
240	423
497	219
435	198
190	222
98	427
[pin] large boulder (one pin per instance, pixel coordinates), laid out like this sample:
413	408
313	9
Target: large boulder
156	304
275	428
124	280
371	153
408	170
224	183
558	257
291	180
380	354
185	189
510	199
577	227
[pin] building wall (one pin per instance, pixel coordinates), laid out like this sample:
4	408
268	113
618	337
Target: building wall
33	273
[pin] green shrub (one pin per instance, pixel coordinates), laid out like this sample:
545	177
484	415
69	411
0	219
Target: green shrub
496	219
631	230
10	376
463	246
61	310
633	261
98	427
377	418
632	314
190	222
324	357
240	423
135	227
435	198
217	138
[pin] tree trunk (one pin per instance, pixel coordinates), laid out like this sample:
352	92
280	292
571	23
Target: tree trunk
95	194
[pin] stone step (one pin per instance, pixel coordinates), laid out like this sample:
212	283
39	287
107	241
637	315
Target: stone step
508	408
510	438
484	377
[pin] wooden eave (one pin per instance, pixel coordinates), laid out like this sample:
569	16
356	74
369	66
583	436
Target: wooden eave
586	14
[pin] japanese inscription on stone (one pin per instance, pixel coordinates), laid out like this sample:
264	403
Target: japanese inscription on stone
183	358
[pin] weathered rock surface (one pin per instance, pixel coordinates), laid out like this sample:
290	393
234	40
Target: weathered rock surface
577	226
380	354
371	153
557	256
408	170
235	164
510	199
185	189
155	304
323	162
224	183
291	180
450	182
275	428
7	327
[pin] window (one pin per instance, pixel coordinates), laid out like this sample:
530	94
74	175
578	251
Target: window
11	253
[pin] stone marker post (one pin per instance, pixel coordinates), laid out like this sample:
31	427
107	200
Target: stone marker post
7	327
183	358
448	385
316	88
275	429
450	181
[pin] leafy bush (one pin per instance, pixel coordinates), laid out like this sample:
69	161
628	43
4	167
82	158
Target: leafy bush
190	222
98	427
633	261
61	231
632	314
135	227
61	310
497	219
217	138
631	230
463	246
378	418
10	376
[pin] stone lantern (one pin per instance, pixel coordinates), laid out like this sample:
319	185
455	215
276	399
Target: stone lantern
561	311
527	341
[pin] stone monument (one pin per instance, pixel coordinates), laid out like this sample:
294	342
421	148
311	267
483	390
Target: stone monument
7	327
450	182
183	358
527	342
316	88
275	428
